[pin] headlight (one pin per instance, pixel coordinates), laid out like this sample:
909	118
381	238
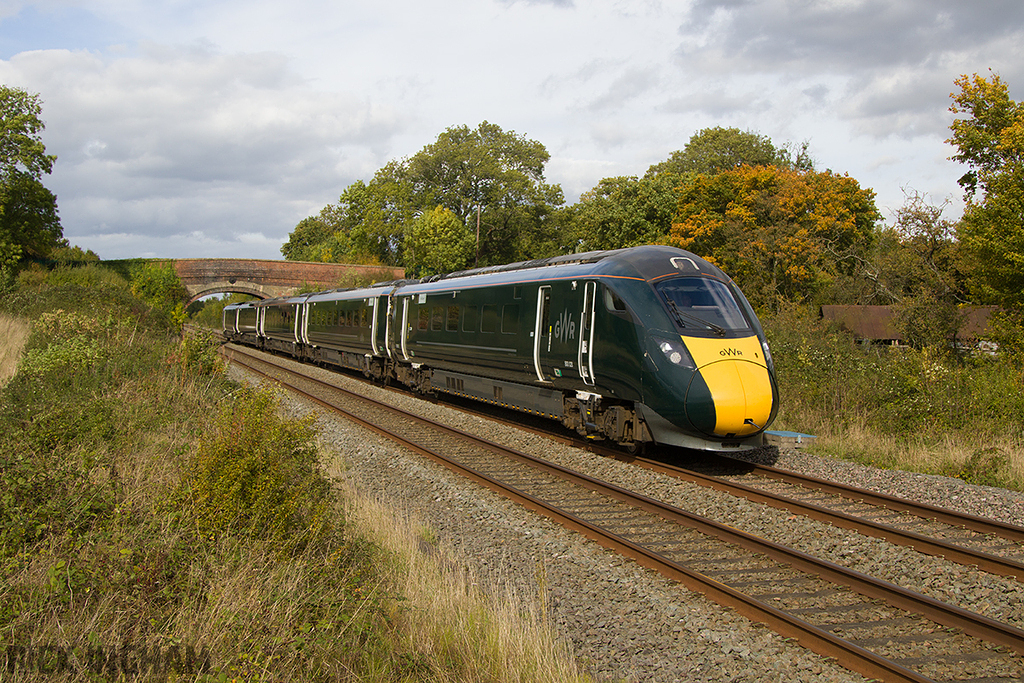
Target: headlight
767	356
675	351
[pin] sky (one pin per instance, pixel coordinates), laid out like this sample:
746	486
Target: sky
210	128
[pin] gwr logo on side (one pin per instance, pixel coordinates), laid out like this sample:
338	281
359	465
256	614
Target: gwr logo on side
730	352
565	327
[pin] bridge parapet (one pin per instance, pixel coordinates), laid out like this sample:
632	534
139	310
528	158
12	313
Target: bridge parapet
267	279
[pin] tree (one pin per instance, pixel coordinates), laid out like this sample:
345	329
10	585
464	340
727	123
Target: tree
493	175
305	240
442	242
778	232
21	149
990	140
157	284
28	211
926	275
717	149
625	212
483	174
367	225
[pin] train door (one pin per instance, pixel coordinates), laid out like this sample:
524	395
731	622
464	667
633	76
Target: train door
302	323
542	331
389	339
405	326
585	359
374	325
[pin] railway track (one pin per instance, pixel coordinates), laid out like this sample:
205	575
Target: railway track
870	626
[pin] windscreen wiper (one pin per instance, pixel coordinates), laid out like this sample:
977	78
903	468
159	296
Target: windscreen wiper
682	317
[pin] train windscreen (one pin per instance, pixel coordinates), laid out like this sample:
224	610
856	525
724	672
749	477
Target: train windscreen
701	304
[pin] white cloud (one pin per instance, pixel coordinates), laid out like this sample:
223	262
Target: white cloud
188	135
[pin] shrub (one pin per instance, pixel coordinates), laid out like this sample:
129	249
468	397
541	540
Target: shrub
197	353
255	476
916	398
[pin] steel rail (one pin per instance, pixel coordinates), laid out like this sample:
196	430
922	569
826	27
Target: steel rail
824	642
925	544
972	522
932	546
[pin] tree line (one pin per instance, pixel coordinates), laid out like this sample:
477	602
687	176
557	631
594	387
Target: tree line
785	230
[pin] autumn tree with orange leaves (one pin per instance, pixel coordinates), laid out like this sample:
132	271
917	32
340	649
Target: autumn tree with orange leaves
783	233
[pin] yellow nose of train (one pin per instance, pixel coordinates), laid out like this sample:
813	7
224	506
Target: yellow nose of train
735	373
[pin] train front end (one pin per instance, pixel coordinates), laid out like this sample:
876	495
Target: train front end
710	383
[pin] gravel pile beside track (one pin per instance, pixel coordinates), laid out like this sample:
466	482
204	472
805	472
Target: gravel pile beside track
627	623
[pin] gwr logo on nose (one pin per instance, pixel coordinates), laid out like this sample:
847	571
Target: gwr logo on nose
730	352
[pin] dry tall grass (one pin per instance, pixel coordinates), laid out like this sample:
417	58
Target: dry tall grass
463	632
977	458
14	334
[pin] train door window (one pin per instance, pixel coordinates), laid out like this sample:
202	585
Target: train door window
489	319
510	319
424	318
470	319
437	318
545	312
452	322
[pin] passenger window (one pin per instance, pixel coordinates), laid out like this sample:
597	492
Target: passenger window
424	318
452	325
510	319
470	319
489	319
437	319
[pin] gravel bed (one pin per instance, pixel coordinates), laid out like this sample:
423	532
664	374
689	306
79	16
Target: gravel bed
627	623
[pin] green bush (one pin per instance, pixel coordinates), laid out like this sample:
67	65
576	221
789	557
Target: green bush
255	476
197	352
828	381
157	284
822	371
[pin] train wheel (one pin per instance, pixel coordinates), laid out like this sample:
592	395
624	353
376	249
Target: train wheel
636	449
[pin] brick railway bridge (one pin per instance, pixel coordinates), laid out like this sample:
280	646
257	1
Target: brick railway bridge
267	279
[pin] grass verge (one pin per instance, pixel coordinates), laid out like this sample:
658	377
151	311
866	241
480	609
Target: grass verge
159	522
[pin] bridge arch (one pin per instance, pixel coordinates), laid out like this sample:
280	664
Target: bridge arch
250	288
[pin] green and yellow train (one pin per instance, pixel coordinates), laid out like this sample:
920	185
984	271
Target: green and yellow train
640	345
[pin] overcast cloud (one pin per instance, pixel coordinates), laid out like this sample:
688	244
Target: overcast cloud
189	129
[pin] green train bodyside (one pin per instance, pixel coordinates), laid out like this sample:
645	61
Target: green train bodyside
579	339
